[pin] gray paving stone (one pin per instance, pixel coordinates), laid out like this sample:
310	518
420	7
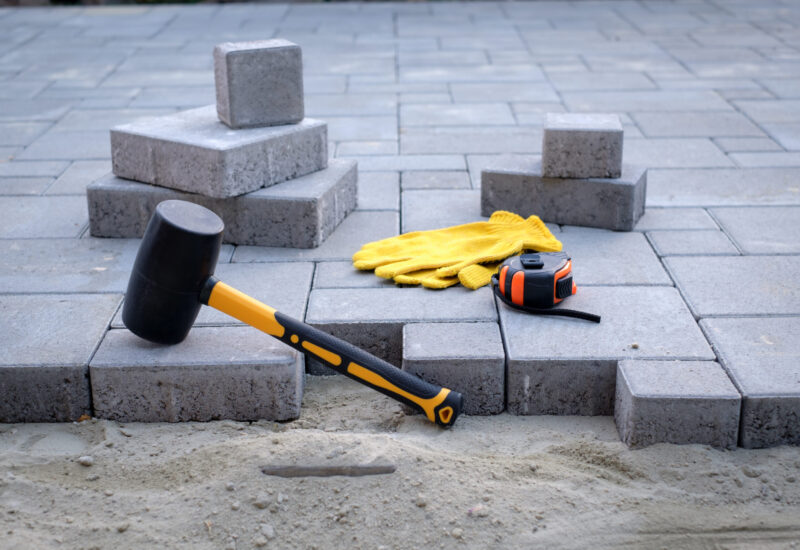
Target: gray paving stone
675	219
723	123
26	168
358	128
601	257
478	163
723	187
582	146
468	92
436	179
24	186
300	213
47	341
787	134
675	153
569	366
358	228
235	373
692	243
192	151
738	285
374	317
284	286
464	357
35	217
761	355
683	402
655	100
771	110
399	163
179	97
129	79
406	98
92	144
379	191
78	120
737	144
480	73
517	185
73	180
778	159
471	139
344	275
783	87
20	133
350	148
259	83
574	81
33	110
436	114
762	230
320	105
425	209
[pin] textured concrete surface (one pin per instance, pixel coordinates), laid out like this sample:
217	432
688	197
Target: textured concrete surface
518	185
47	342
217	372
707	94
762	358
681	402
581	145
465	357
300	213
193	151
259	83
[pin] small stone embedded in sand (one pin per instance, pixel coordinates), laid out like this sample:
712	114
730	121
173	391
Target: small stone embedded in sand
121	528
235	506
261	502
479	511
749	471
282	498
260	541
108	493
267	530
420	501
86	461
457	533
92	477
229	486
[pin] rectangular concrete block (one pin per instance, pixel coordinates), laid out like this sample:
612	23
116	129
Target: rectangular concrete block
683	402
464	357
582	145
259	83
193	151
517	184
373	318
46	342
233	373
564	366
300	213
762	357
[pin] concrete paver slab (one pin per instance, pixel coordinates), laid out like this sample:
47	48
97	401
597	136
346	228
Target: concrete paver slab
344	275
464	357
566	366
437	179
436	208
762	230
235	373
738	285
47	342
723	187
692	243
585	145
675	219
762	357
685	402
73	180
24	186
26	217
379	191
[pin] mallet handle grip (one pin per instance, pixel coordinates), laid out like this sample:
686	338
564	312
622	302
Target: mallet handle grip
440	405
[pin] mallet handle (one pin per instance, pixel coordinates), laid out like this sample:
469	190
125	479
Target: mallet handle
440	405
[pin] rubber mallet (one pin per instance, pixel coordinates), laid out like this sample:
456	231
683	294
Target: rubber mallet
173	276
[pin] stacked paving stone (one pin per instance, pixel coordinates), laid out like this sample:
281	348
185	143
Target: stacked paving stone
580	180
255	160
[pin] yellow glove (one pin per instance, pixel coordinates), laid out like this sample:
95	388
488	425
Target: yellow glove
467	253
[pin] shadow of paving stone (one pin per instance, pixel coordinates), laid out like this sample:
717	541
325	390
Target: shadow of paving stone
47	341
762	357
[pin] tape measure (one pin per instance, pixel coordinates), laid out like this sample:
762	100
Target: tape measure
534	283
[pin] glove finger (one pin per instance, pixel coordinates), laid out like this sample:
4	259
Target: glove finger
427	278
370	261
477	275
390	271
498	252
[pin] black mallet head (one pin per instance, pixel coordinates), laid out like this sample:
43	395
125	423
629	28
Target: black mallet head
177	255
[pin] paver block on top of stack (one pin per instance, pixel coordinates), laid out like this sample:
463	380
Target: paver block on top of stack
231	372
582	145
193	151
465	357
681	402
518	185
300	213
259	83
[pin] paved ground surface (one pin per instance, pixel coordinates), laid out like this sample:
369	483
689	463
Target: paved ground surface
423	96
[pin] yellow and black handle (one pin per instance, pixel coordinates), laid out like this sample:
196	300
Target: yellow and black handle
440	405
